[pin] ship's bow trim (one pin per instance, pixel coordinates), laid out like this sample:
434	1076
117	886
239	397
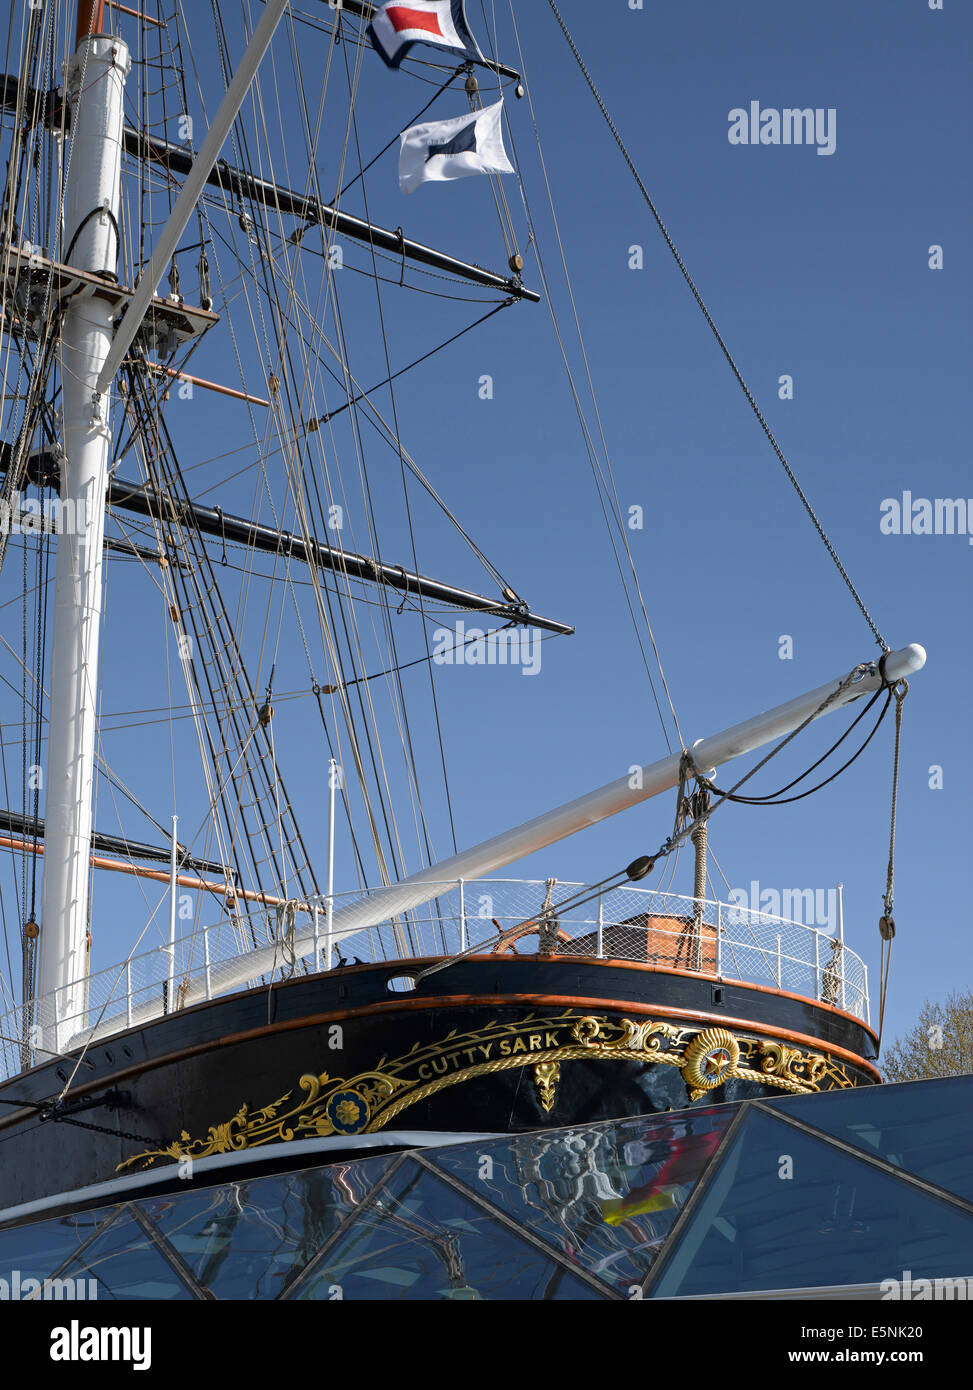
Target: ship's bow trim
323	1105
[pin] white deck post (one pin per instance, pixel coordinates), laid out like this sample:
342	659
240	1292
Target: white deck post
329	909
209	986
817	964
173	886
841	939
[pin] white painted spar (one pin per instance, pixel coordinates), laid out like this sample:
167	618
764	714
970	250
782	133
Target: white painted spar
547	829
96	85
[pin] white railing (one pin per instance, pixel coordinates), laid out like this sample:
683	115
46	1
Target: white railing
717	940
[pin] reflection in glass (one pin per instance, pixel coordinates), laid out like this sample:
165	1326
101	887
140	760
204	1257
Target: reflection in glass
251	1239
925	1127
784	1210
41	1248
605	1196
127	1263
422	1239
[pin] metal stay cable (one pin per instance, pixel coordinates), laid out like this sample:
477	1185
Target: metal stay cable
603	476
777	798
680	835
639	868
363	170
716	333
406	733
842	686
281	316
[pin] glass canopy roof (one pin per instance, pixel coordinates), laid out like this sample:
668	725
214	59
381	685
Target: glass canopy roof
837	1188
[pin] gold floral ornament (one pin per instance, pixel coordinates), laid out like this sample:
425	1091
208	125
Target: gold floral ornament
547	1075
348	1112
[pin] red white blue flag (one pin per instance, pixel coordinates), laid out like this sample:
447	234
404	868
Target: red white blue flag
438	23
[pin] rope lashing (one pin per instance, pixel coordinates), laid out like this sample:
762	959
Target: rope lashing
699	805
548	923
886	925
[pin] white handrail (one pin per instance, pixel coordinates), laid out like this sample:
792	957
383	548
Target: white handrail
762	949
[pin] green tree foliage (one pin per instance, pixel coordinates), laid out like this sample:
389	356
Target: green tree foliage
940	1044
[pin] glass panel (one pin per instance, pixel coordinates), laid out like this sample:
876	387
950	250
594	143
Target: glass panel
925	1127
605	1196
784	1210
37	1250
127	1263
251	1239
421	1239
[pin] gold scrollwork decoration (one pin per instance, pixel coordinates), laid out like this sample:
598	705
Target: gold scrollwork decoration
790	1062
633	1037
322	1105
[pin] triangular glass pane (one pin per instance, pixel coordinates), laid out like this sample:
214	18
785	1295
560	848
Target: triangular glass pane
784	1210
605	1196
127	1263
924	1127
37	1250
422	1239
252	1239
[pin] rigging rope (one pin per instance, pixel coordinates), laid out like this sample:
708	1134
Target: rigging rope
716	333
776	799
611	508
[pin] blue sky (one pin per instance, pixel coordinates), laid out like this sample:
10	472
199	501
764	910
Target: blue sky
813	266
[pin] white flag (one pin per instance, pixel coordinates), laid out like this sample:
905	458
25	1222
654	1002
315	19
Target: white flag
439	150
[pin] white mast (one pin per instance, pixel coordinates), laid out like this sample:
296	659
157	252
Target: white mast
89	360
95	85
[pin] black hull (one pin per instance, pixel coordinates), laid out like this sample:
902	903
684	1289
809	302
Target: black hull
489	1045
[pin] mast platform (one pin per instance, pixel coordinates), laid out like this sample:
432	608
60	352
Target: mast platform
31	282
